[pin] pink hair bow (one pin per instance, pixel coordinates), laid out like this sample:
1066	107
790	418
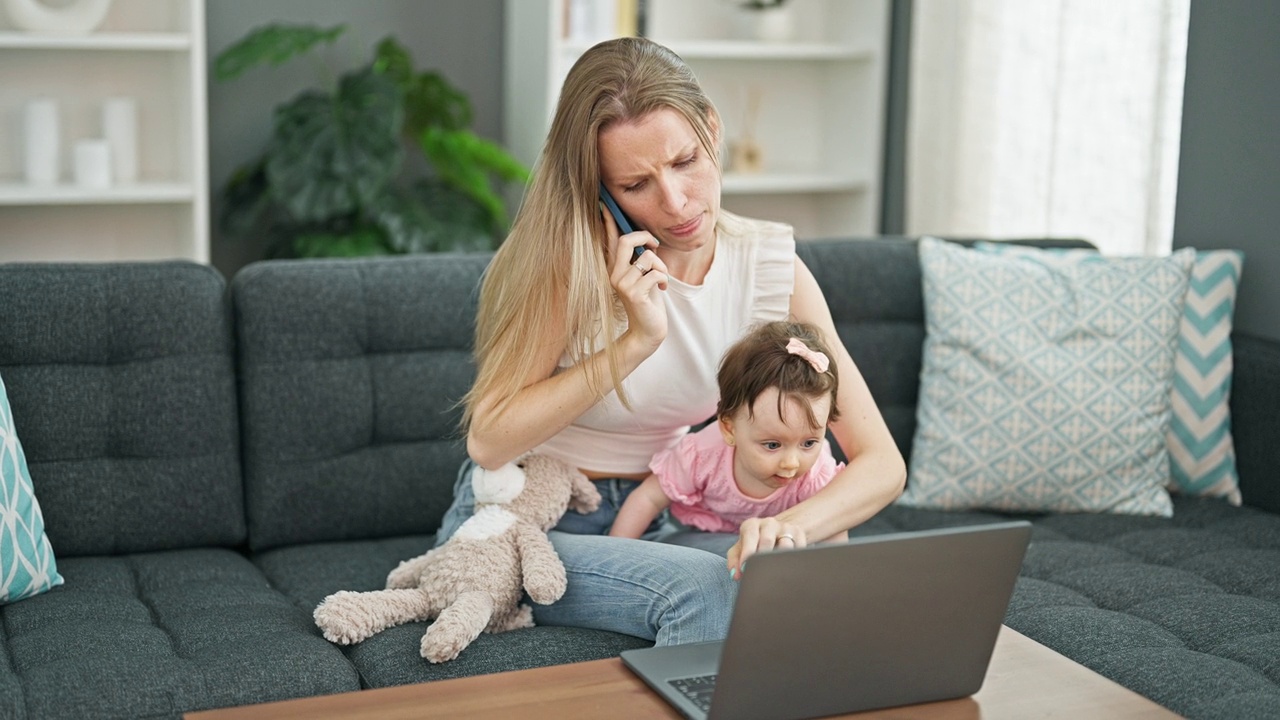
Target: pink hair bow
818	360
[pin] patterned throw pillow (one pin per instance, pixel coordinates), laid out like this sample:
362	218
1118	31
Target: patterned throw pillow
1045	385
1202	457
26	558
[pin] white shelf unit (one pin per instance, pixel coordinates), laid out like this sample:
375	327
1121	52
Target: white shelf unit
821	99
152	51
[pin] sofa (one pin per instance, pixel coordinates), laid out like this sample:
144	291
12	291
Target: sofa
213	458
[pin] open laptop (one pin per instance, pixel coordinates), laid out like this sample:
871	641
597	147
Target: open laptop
878	622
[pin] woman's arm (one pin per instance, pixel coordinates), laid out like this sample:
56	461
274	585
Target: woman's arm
875	473
547	402
639	509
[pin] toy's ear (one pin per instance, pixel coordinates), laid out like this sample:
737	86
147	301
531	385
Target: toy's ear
584	497
499	486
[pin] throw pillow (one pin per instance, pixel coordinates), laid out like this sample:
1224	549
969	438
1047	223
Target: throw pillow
1202	458
27	565
1045	385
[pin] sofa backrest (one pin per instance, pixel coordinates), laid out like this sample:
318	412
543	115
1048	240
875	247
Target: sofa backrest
350	374
874	289
120	377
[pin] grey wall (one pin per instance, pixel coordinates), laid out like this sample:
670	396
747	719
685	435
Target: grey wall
1229	169
461	39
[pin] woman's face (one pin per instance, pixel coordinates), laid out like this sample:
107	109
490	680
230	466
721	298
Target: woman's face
663	178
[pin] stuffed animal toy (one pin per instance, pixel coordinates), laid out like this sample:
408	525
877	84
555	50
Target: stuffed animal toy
475	581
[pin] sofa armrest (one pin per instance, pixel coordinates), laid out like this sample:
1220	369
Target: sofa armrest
1255	420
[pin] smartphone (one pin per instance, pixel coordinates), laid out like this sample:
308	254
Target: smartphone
625	225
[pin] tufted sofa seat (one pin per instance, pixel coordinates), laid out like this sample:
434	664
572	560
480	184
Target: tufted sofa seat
1184	611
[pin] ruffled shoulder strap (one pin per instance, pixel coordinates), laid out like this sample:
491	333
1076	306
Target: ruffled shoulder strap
773	254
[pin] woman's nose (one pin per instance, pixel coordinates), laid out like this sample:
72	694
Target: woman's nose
673	197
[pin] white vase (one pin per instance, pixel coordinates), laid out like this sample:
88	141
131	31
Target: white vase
774	24
77	17
120	128
93	164
41	141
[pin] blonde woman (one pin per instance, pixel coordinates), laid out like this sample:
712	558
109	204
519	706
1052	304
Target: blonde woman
601	361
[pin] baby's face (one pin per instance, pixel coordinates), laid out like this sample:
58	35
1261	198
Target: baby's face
772	449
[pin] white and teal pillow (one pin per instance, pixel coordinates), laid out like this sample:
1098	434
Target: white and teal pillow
26	559
1045	385
1202	459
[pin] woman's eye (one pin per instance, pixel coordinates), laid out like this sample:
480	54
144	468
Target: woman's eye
633	188
687	161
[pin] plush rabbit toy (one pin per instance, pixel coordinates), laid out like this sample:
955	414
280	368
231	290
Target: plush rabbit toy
475	581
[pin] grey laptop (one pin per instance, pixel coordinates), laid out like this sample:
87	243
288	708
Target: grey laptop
878	622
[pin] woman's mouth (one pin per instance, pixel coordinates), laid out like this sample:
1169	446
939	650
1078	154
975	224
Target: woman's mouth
686	229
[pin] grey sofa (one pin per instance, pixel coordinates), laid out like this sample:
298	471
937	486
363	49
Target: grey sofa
214	458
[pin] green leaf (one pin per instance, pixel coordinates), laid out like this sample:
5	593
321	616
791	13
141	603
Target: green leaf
431	101
271	44
390	58
431	217
330	155
358	242
245	199
464	161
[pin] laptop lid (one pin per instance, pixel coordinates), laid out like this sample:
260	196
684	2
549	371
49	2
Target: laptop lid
877	622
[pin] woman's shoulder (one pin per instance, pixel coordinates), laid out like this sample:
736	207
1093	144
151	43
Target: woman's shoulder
742	230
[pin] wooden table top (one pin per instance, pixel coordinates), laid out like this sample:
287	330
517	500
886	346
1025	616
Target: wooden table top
1025	680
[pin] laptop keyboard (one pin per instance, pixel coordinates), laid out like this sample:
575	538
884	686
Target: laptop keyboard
698	689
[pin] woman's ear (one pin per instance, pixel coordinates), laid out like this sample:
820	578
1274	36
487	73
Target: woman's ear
713	122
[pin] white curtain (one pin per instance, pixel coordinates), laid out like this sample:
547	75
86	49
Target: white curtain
1047	118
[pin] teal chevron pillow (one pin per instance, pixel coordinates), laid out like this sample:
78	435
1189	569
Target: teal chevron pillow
26	559
1202	458
1045	385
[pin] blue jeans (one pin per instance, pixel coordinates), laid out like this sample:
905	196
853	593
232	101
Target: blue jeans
668	593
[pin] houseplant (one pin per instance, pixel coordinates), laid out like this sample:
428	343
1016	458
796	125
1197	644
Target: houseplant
334	180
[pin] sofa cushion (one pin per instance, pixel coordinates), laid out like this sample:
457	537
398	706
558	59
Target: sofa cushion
1184	610
27	564
350	375
1045	384
1202	457
875	300
120	376
159	634
308	573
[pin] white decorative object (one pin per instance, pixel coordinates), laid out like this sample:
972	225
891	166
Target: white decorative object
120	128
767	21
77	17
41	141
93	164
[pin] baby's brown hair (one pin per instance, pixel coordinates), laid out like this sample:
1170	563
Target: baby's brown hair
761	360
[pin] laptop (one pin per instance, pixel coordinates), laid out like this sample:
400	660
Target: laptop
877	622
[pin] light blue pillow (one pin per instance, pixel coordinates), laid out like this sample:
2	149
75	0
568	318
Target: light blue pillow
1045	385
1202	457
26	558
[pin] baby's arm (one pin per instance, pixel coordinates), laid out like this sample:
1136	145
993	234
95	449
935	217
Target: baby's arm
640	508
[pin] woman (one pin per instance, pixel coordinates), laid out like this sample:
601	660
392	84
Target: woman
602	362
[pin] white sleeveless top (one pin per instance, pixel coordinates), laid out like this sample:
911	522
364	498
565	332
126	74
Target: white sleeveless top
750	281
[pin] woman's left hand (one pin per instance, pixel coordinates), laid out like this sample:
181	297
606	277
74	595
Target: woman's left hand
762	535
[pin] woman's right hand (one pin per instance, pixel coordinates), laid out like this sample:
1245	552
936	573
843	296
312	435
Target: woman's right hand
635	282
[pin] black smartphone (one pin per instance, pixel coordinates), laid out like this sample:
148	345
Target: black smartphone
625	225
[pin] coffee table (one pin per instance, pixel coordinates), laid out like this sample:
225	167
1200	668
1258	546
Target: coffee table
1025	680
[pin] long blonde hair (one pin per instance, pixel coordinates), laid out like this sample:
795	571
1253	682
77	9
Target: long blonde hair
551	273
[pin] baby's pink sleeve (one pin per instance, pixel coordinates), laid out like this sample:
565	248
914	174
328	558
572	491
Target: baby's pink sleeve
818	477
675	468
